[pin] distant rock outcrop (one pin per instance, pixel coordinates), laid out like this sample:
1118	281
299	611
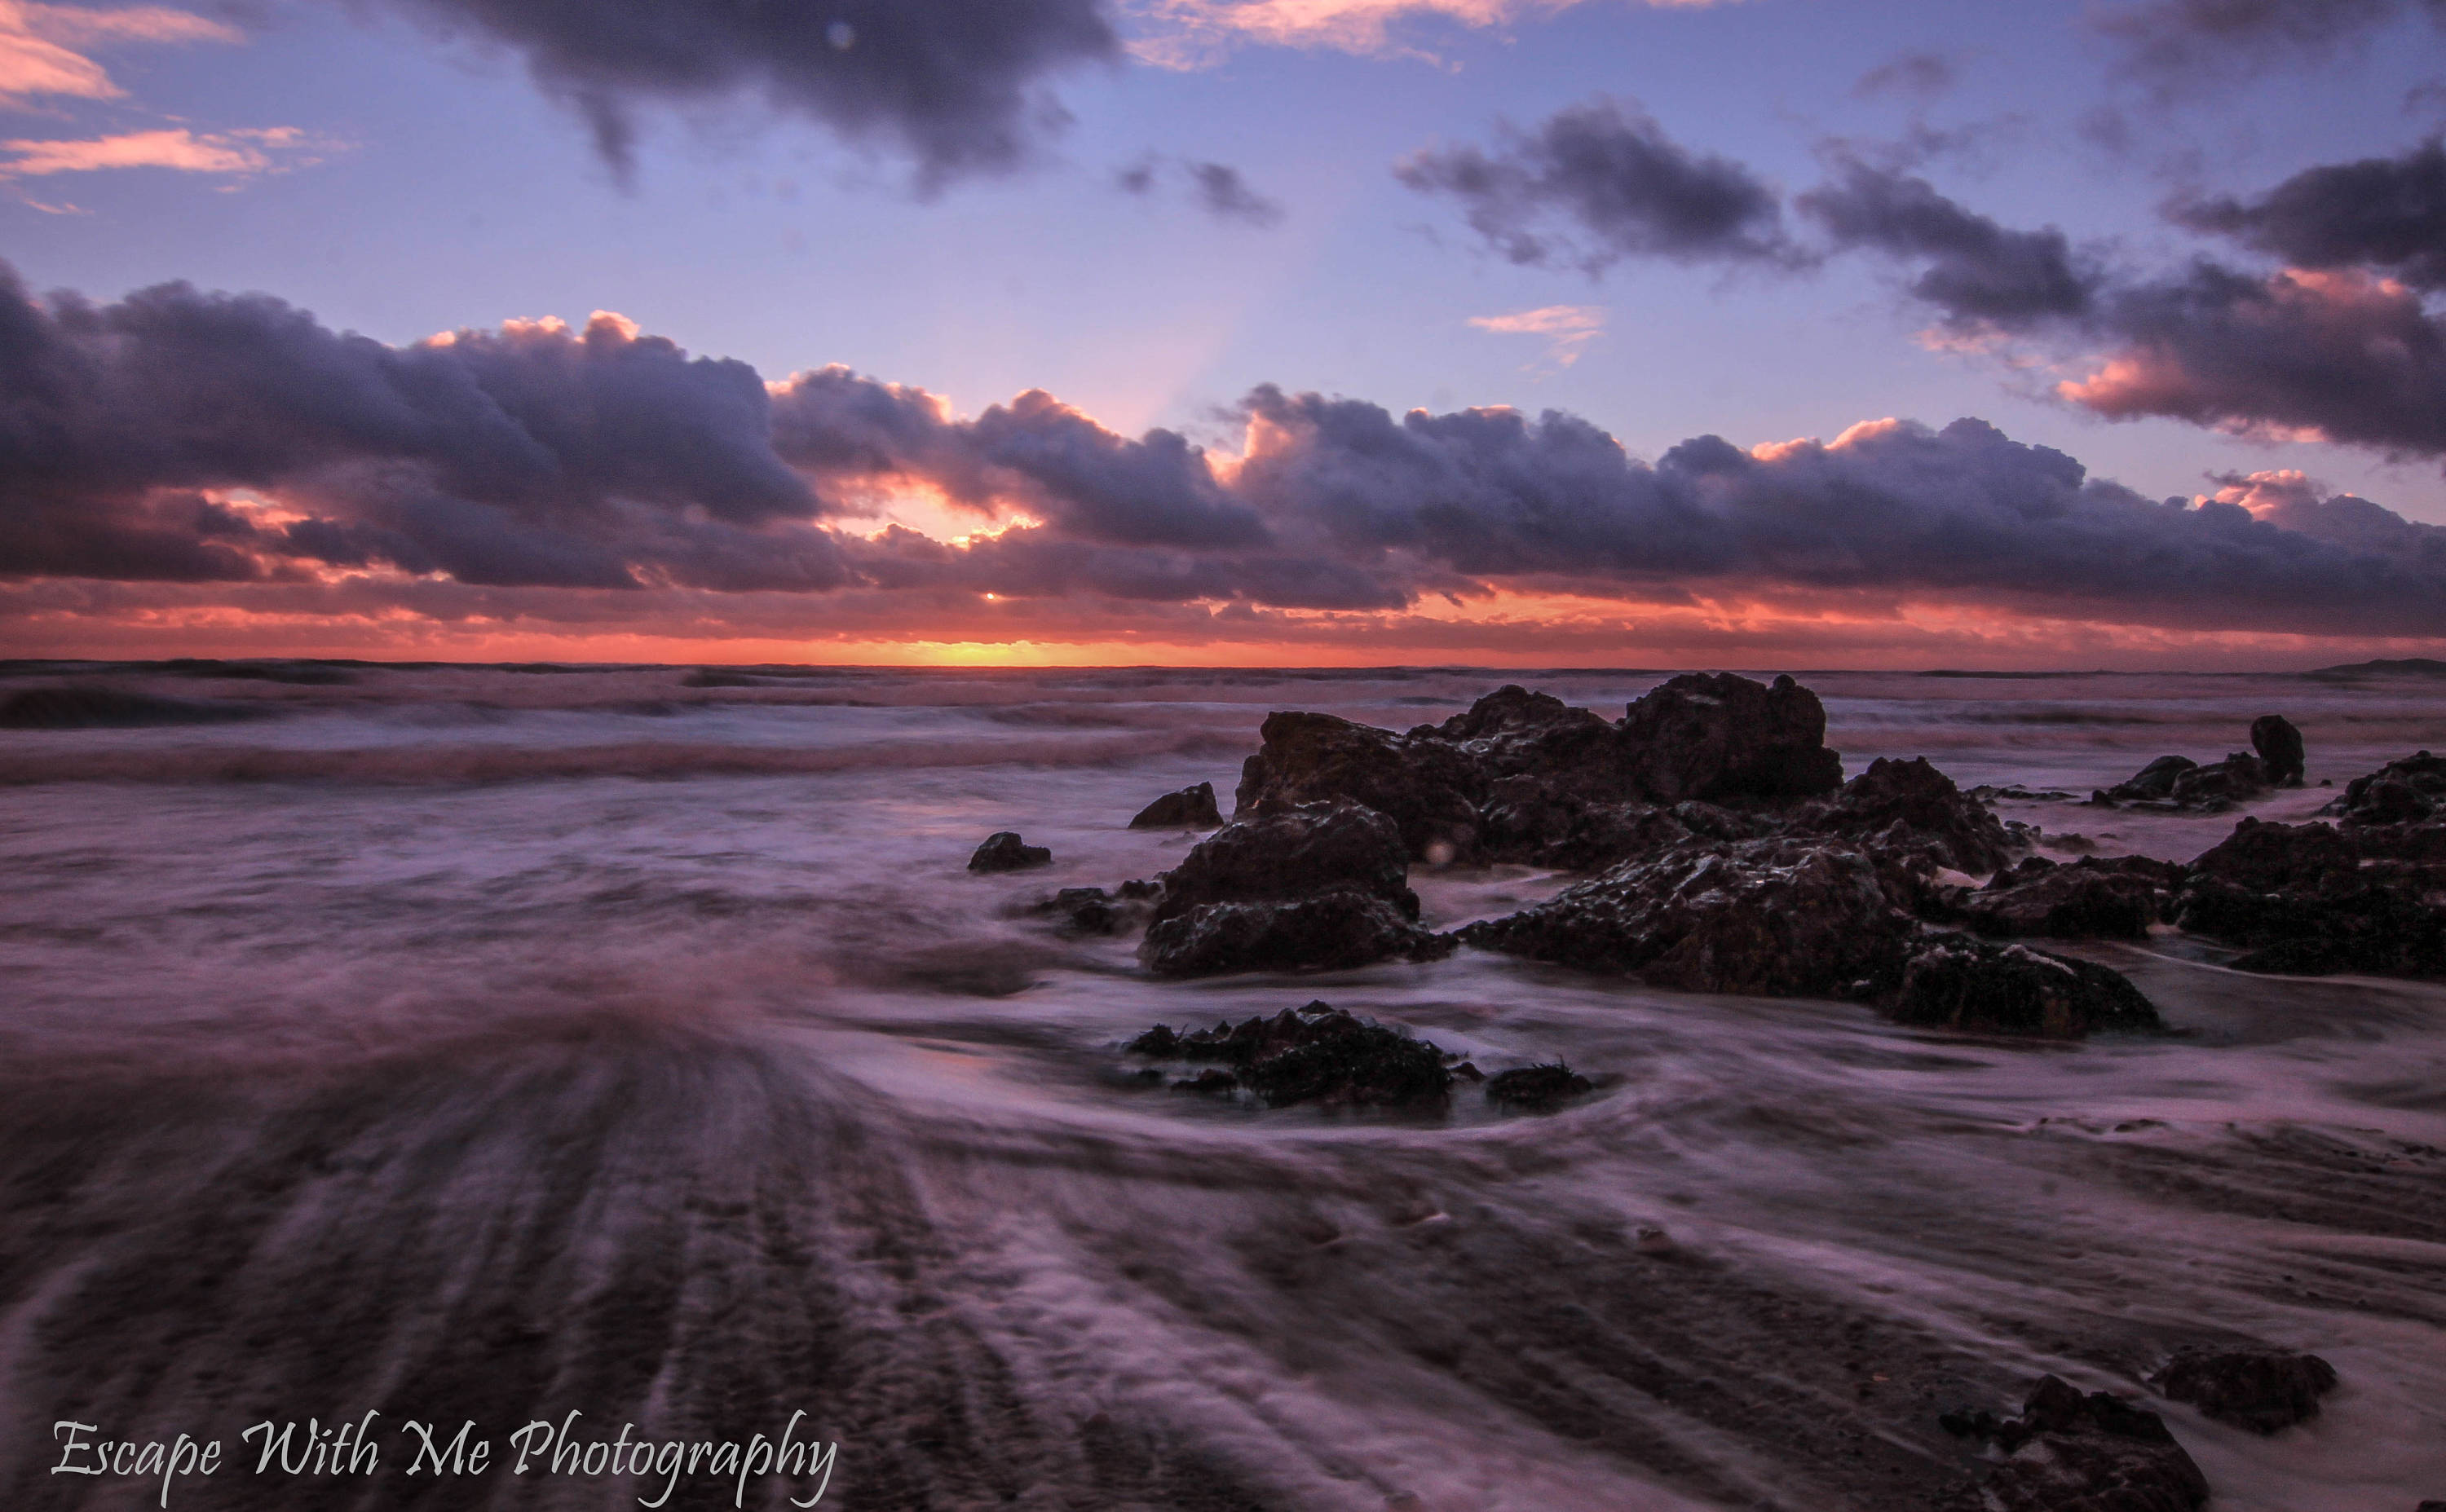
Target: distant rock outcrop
1004	851
1188	808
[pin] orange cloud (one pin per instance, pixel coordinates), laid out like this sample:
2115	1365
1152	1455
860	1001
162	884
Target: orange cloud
1568	328
40	45
255	151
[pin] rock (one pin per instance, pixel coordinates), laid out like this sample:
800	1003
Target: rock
1979	988
1925	803
1188	808
1719	736
1291	853
2401	792
1528	820
1426	786
1318	1054
1090	911
2091	899
1536	1088
1756	916
1327	931
2152	783
2073	1453
1004	851
2236	779
2270	857
2280	749
2365	922
2262	1389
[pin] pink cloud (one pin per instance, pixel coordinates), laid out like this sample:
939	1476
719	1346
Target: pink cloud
1195	33
1568	328
254	151
40	45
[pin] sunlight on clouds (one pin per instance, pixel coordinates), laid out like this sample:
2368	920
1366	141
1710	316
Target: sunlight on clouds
1568	328
237	153
1197	33
39	43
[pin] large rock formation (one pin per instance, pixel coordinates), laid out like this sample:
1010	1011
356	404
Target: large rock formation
1978	988
2179	782
1523	776
1719	736
2307	900
1760	916
1911	803
1293	852
2401	792
1428	787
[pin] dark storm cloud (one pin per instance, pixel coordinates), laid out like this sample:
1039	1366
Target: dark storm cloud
1601	181
2384	213
2182	46
1976	269
532	455
957	85
538	461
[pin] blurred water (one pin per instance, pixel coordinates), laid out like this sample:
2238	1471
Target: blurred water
481	1043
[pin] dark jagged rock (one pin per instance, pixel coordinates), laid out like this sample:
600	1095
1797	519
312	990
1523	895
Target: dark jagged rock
1318	1054
2401	792
2090	899
1327	931
2154	783
1513	732
1758	916
1979	988
1719	736
1091	911
2280	749
1527	820
78	707
1536	1088
1928	807
2261	1390
2073	1453
1004	851
1429	788
1188	808
2307	900
1291	853
2270	857
2236	779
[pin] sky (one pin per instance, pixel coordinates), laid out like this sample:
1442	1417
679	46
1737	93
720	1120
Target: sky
1810	333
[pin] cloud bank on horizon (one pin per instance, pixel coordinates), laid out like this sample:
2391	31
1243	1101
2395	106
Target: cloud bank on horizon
234	450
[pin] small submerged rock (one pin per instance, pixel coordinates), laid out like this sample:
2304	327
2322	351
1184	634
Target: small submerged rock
1188	808
2262	1389
1004	851
1091	911
2068	1452
1536	1088
1318	1054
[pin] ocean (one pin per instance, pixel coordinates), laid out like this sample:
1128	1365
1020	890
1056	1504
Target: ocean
486	1044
